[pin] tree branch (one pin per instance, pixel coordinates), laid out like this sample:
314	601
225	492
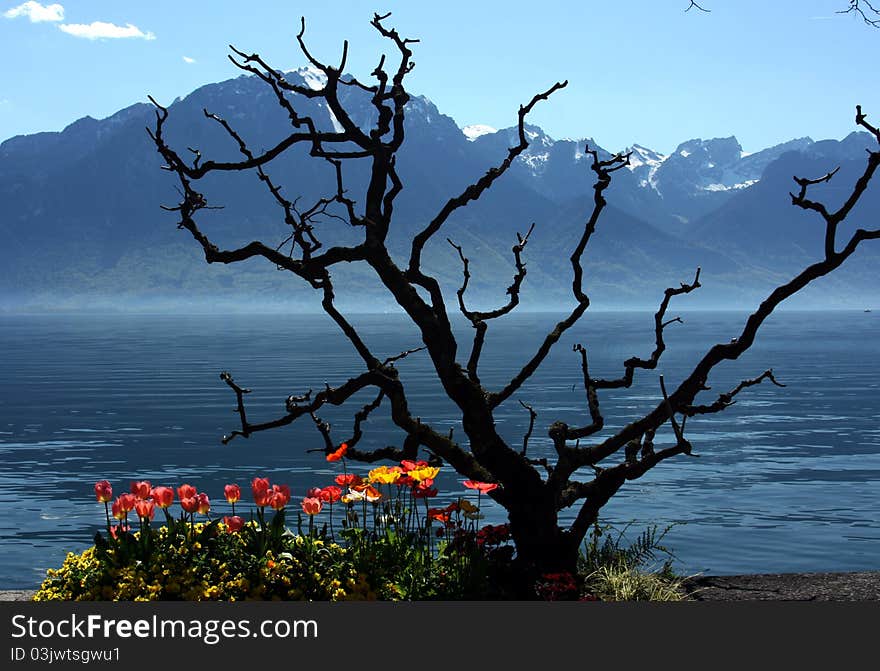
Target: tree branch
603	170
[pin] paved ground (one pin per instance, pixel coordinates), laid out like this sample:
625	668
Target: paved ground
16	595
860	586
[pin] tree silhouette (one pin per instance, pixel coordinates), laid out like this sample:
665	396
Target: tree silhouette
588	468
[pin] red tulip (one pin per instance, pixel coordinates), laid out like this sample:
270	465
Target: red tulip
186	492
482	487
126	502
260	490
233	524
232	493
330	494
408	465
103	491
204	504
311	505
116	509
190	504
163	496
141	489
145	508
314	493
424	492
339	453
123	504
279	496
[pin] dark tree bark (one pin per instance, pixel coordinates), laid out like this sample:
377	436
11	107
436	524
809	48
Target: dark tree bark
587	469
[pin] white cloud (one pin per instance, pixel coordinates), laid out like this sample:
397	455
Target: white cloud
36	12
187	59
100	29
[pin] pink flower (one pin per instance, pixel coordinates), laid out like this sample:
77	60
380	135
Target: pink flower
103	491
314	493
311	505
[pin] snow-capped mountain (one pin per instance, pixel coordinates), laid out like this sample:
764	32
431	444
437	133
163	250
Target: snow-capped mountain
81	213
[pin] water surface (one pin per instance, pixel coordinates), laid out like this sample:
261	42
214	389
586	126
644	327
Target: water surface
787	479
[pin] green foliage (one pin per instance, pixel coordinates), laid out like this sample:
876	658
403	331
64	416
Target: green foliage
204	561
614	571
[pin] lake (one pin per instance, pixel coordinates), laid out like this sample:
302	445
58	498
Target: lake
787	479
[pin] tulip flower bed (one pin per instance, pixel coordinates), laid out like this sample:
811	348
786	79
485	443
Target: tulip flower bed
371	536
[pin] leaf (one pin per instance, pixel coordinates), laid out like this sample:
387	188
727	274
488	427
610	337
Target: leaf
100	542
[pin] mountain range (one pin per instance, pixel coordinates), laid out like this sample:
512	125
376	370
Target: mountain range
83	229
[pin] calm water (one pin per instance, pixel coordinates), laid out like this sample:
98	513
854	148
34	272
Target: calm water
788	479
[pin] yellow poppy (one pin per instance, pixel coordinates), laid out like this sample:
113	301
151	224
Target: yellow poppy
425	473
385	475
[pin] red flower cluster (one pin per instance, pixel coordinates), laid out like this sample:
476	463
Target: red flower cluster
330	494
493	535
192	501
557	587
275	496
348	480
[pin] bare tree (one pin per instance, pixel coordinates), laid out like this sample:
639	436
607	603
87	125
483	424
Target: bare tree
859	8
864	9
588	468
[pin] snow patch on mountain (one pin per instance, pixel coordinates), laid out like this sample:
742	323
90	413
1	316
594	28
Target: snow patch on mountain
314	78
730	187
536	162
644	163
473	131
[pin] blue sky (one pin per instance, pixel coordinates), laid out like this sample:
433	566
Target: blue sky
641	71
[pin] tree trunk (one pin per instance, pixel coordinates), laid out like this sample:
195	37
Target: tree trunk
542	547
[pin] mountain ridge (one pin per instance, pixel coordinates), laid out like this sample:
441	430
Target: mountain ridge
82	221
